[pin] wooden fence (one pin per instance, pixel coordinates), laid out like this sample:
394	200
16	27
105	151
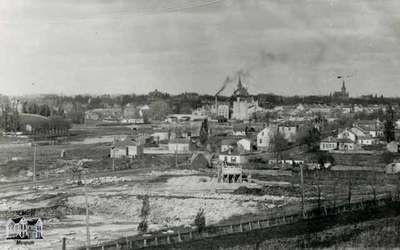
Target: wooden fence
187	235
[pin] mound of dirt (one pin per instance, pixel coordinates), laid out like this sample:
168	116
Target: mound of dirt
269	190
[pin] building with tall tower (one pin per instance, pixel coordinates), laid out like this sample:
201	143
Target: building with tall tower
240	91
244	105
342	94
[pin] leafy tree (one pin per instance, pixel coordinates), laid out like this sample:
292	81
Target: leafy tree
387	157
389	125
310	137
9	120
159	110
33	108
263	116
57	122
44	110
200	220
76	117
323	157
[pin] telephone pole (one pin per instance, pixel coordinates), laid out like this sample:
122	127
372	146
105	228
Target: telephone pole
34	165
87	218
302	191
176	156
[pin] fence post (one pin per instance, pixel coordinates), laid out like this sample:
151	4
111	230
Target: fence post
144	242
63	243
168	239
232	228
241	227
259	224
190	235
179	237
250	225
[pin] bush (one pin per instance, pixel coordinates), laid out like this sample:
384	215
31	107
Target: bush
200	220
142	227
388	157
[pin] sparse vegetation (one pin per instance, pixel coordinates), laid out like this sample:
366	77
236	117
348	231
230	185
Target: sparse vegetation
200	220
144	213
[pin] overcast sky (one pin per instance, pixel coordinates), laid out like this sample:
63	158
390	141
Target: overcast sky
135	46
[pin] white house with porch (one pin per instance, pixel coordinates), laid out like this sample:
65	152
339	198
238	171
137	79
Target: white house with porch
24	228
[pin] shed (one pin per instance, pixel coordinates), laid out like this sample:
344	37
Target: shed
201	159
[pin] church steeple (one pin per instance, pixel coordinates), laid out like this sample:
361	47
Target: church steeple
239	86
343	87
240	91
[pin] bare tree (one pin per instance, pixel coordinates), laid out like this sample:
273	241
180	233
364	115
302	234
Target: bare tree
200	220
372	182
334	192
278	144
349	190
144	213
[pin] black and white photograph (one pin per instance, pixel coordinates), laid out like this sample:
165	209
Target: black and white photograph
199	124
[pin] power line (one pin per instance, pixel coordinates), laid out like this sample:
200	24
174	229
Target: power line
171	8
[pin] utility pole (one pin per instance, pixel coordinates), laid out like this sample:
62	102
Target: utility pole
87	218
302	191
64	247
113	155
176	156
349	192
34	165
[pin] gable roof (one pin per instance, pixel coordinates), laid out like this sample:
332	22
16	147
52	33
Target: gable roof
347	130
208	156
33	221
179	141
17	220
229	141
345	140
330	139
234	151
127	142
244	139
358	131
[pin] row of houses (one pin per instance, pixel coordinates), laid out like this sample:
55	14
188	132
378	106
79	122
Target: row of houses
363	133
127	114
